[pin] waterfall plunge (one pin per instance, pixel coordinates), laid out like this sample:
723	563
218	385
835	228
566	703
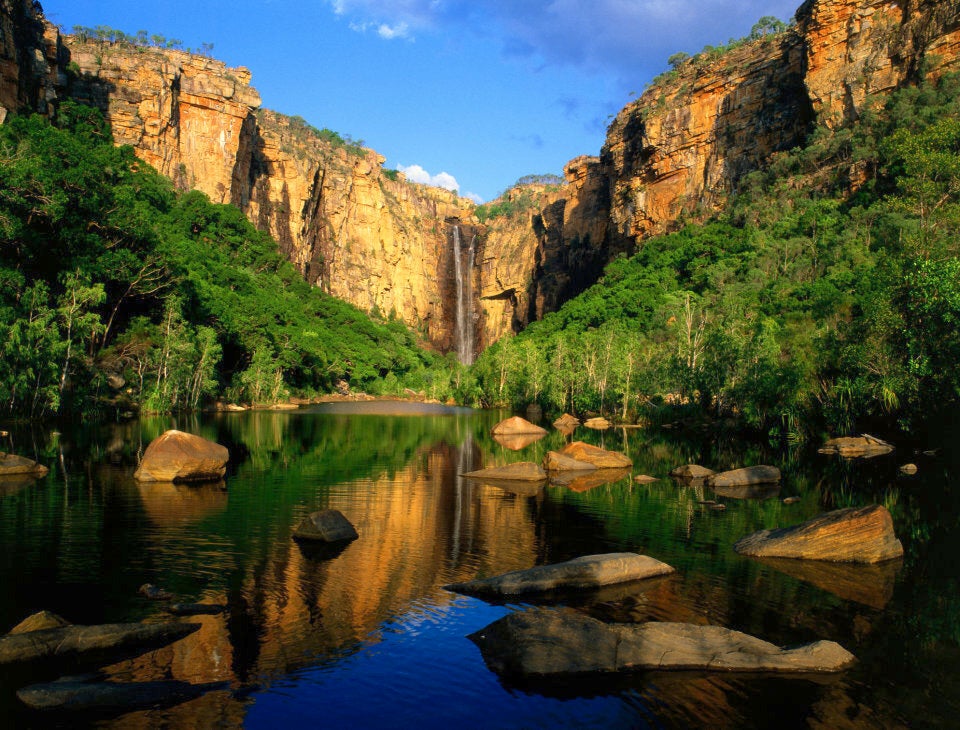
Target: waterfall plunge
463	273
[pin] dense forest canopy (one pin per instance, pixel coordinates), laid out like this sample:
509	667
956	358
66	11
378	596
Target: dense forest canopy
826	296
117	292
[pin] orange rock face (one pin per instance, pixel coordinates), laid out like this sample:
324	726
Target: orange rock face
600	458
853	535
179	456
368	236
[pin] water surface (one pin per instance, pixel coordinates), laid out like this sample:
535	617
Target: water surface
367	637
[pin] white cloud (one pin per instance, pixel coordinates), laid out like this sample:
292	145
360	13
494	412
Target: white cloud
629	38
415	173
389	32
474	197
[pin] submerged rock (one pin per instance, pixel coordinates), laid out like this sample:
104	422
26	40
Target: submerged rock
523	471
517	425
12	465
176	456
196	609
68	694
865	446
760	474
600	458
154	593
70	642
579	481
590	571
854	535
599	423
748	491
517	441
325	526
691	471
645	479
542	642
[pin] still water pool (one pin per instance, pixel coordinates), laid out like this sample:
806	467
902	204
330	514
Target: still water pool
368	638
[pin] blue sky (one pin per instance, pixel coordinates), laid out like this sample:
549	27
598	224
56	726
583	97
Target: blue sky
471	94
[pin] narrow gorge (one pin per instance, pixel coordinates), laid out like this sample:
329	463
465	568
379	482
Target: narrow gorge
395	248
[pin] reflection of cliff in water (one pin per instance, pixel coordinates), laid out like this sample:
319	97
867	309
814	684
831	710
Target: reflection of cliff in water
420	527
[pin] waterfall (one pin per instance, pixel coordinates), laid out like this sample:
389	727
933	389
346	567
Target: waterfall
464	315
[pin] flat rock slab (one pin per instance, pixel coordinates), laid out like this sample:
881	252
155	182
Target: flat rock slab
523	471
78	696
587	572
543	642
760	474
853	535
850	447
12	465
76	641
517	425
325	526
600	458
176	456
691	471
557	461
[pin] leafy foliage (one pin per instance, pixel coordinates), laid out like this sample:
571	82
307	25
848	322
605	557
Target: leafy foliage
119	292
812	302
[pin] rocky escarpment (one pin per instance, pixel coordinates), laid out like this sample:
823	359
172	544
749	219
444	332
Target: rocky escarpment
367	235
677	153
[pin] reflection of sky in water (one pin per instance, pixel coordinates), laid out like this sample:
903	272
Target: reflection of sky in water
367	637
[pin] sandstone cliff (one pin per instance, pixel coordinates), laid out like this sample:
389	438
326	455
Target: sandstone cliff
676	153
367	235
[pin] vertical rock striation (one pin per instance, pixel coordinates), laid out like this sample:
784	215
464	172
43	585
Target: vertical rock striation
368	236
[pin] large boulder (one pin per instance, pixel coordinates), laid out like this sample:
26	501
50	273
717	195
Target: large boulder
557	461
865	446
585	573
544	642
600	458
747	475
599	423
691	471
325	526
516	425
566	421
852	535
523	471
176	456
13	465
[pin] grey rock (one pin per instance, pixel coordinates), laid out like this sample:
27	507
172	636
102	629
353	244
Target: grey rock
544	642
325	526
748	475
584	573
